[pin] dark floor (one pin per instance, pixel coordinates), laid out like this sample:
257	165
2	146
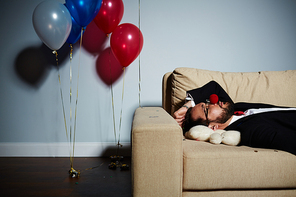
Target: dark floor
50	177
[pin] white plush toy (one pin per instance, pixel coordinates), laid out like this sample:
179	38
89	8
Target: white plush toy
203	133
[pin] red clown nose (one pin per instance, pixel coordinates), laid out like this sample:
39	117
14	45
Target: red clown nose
214	99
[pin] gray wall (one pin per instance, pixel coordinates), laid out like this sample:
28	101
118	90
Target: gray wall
222	35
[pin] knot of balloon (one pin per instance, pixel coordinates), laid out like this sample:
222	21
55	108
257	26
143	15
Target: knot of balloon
214	99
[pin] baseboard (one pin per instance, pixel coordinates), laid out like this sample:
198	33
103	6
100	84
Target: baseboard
81	149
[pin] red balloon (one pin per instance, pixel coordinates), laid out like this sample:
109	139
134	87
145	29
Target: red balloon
110	15
126	43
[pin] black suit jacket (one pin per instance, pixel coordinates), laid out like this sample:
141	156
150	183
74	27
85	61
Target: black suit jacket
274	130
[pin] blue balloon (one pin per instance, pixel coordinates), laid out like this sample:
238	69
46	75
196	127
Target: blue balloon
83	11
75	32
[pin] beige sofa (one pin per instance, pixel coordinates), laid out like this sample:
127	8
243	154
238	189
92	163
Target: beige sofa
166	164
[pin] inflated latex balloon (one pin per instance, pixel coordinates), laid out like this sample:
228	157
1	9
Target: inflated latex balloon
126	43
110	15
75	32
83	11
52	23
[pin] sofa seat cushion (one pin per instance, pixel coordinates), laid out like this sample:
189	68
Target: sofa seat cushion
216	167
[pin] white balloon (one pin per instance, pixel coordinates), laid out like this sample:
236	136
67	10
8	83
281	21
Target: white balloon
52	23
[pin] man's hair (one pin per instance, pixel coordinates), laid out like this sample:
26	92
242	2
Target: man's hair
188	122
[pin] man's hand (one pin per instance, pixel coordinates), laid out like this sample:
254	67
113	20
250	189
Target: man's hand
179	115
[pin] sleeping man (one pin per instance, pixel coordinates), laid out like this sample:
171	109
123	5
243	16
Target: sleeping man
260	125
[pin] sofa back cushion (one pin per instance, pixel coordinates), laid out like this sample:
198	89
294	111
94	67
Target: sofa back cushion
270	87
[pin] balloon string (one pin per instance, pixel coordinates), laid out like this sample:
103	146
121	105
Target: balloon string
71	52
112	97
61	92
121	107
63	106
71	76
139	54
70	140
76	103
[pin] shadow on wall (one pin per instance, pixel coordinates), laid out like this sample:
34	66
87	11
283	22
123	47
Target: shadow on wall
107	66
32	64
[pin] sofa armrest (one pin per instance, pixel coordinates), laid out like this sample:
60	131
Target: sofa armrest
157	153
